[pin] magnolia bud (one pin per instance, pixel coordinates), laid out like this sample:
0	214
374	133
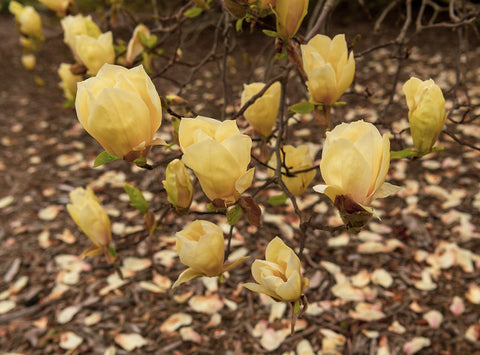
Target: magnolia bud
426	113
28	61
89	215
264	111
200	245
290	14
68	81
178	185
28	19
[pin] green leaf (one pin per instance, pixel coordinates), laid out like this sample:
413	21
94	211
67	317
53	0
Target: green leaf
296	307
112	251
211	207
137	199
271	33
281	56
148	42
175	124
68	103
193	12
302	107
103	158
277	200
141	162
234	214
239	24
339	104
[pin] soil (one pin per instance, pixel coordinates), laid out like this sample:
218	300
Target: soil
57	297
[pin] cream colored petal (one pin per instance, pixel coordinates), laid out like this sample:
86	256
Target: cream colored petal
354	130
329	190
321	44
135	46
410	89
244	181
259	288
139	82
338	53
206	255
214	166
346	76
264	267
274	248
119	120
225	130
384	165
188	127
293	264
385	190
322	84
291	290
272	282
108	73
94	52
186	276
239	146
343	165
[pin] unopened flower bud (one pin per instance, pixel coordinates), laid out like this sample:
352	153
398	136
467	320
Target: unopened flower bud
426	114
178	185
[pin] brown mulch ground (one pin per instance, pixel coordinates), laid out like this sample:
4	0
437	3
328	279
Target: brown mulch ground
429	231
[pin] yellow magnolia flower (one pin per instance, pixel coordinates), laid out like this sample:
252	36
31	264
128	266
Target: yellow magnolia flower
74	26
354	165
89	215
59	6
329	68
290	14
28	19
68	81
426	114
135	46
178	185
121	109
264	111
219	156
200	246
95	52
279	275
29	61
296	159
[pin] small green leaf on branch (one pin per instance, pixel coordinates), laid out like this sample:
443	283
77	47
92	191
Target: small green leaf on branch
281	56
103	158
193	12
137	199
271	33
112	251
302	107
234	214
239	25
277	200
